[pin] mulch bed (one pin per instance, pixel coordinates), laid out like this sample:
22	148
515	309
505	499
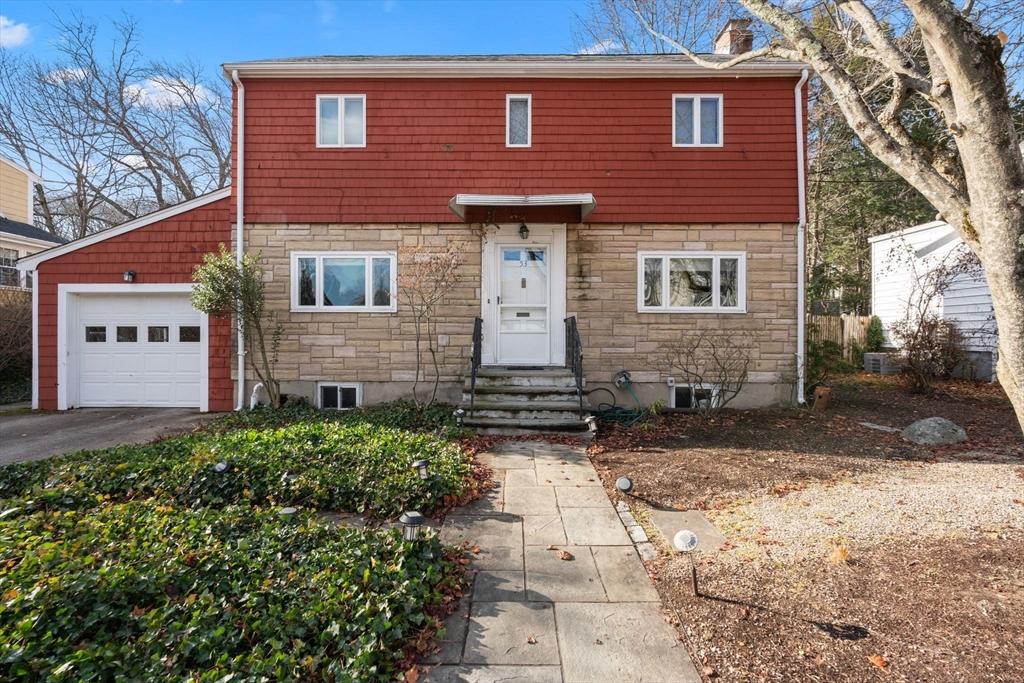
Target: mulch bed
913	608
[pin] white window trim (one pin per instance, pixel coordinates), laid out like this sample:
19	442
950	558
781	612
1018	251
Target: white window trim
320	256
716	394
741	268
341	120
529	120
340	385
696	97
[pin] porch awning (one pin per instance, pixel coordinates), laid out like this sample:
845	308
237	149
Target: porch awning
585	201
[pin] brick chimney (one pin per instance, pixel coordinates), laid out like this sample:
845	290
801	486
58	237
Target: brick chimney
735	38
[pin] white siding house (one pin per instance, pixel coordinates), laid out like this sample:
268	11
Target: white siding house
898	259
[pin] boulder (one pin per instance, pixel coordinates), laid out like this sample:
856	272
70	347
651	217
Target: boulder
934	431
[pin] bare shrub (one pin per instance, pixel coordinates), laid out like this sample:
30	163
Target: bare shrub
15	333
717	364
427	277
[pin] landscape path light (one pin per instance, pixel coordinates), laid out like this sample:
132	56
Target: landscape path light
288	513
422	468
411	521
624	484
686	542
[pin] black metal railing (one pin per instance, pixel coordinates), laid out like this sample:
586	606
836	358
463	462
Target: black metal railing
574	356
478	342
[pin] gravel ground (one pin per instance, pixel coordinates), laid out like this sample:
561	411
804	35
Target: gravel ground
905	501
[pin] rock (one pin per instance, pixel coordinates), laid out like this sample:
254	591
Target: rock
933	431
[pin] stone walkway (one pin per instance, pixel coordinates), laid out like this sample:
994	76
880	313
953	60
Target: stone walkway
534	617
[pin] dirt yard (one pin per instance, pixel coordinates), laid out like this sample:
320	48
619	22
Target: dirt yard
851	554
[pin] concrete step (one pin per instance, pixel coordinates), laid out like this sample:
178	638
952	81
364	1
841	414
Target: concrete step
563	381
511	371
490	403
569	390
574	424
510	395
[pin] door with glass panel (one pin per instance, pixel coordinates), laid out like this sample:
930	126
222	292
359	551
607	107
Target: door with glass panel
524	324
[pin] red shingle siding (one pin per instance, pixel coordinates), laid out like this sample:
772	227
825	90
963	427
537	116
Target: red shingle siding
428	139
164	252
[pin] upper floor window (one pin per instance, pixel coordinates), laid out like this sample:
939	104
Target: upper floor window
8	271
341	120
518	120
696	120
344	281
692	282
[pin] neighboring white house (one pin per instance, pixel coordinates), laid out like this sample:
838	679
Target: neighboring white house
899	259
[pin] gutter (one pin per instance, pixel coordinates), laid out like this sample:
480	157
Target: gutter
801	171
240	230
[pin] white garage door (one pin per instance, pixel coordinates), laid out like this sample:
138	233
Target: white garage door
140	349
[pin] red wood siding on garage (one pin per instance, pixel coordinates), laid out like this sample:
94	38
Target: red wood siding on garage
163	252
428	139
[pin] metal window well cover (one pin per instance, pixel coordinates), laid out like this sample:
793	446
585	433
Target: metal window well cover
669	521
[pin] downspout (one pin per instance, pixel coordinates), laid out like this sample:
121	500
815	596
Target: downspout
240	229
801	192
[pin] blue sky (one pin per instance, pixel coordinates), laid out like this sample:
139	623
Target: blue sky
216	31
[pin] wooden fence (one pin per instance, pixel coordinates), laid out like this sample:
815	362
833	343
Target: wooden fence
844	330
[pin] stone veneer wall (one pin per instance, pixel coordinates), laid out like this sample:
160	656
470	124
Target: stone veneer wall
377	349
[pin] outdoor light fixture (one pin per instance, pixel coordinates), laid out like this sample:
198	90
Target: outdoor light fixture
421	468
411	521
524	231
220	467
685	541
129	276
624	484
287	513
591	423
459	414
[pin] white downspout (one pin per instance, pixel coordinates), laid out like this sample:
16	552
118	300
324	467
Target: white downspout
801	191
240	228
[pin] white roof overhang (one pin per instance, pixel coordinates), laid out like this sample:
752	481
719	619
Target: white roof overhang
584	200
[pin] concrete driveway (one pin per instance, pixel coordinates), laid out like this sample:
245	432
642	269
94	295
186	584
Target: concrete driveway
31	436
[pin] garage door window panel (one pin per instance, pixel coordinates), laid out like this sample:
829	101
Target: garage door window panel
95	334
158	334
189	334
127	334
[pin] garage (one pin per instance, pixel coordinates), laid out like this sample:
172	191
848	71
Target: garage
134	348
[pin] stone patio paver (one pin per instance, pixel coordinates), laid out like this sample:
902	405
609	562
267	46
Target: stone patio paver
495	674
552	579
511	633
496	586
536	618
531	500
622	642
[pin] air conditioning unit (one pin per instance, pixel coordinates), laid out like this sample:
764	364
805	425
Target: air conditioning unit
882	363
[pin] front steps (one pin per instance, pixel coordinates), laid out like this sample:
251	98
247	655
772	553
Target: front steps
512	400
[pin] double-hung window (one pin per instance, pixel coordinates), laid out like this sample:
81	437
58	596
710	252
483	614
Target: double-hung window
696	120
518	120
8	271
344	281
341	120
692	282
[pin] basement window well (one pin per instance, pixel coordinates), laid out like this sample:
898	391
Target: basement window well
337	396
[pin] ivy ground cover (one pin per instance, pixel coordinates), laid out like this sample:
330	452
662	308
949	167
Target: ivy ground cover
172	561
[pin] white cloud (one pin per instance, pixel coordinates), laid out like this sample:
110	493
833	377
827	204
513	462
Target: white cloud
13	34
165	92
135	161
66	75
602	47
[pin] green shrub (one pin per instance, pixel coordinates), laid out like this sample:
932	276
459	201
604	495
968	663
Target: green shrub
354	466
141	591
875	335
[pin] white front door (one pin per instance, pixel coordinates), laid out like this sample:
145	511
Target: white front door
524	296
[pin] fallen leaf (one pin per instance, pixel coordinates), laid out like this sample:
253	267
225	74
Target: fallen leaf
565	555
879	661
531	640
551	547
840	555
709	671
475	550
412	675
